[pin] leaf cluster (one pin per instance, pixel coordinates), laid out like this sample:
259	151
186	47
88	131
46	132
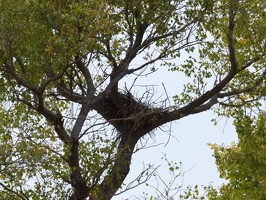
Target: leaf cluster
243	163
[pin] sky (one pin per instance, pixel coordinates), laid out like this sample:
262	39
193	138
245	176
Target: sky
188	143
190	147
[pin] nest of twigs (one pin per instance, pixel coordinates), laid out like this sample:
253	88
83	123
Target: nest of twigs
123	108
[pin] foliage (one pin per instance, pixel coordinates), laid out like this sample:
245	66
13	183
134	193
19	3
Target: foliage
70	123
163	188
243	164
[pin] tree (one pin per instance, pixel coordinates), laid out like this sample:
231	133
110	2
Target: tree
243	164
69	123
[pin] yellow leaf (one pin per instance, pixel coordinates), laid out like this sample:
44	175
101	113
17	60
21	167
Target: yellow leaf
38	186
93	195
115	44
74	168
243	41
53	138
49	50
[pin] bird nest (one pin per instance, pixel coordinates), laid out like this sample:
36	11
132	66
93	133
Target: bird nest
135	113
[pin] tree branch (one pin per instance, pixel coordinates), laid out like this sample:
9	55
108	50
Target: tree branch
247	89
23	197
87	77
113	181
230	37
19	79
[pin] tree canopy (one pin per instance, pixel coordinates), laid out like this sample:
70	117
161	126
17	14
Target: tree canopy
70	124
243	163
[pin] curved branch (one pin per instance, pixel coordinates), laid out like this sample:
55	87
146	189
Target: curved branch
87	77
198	104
